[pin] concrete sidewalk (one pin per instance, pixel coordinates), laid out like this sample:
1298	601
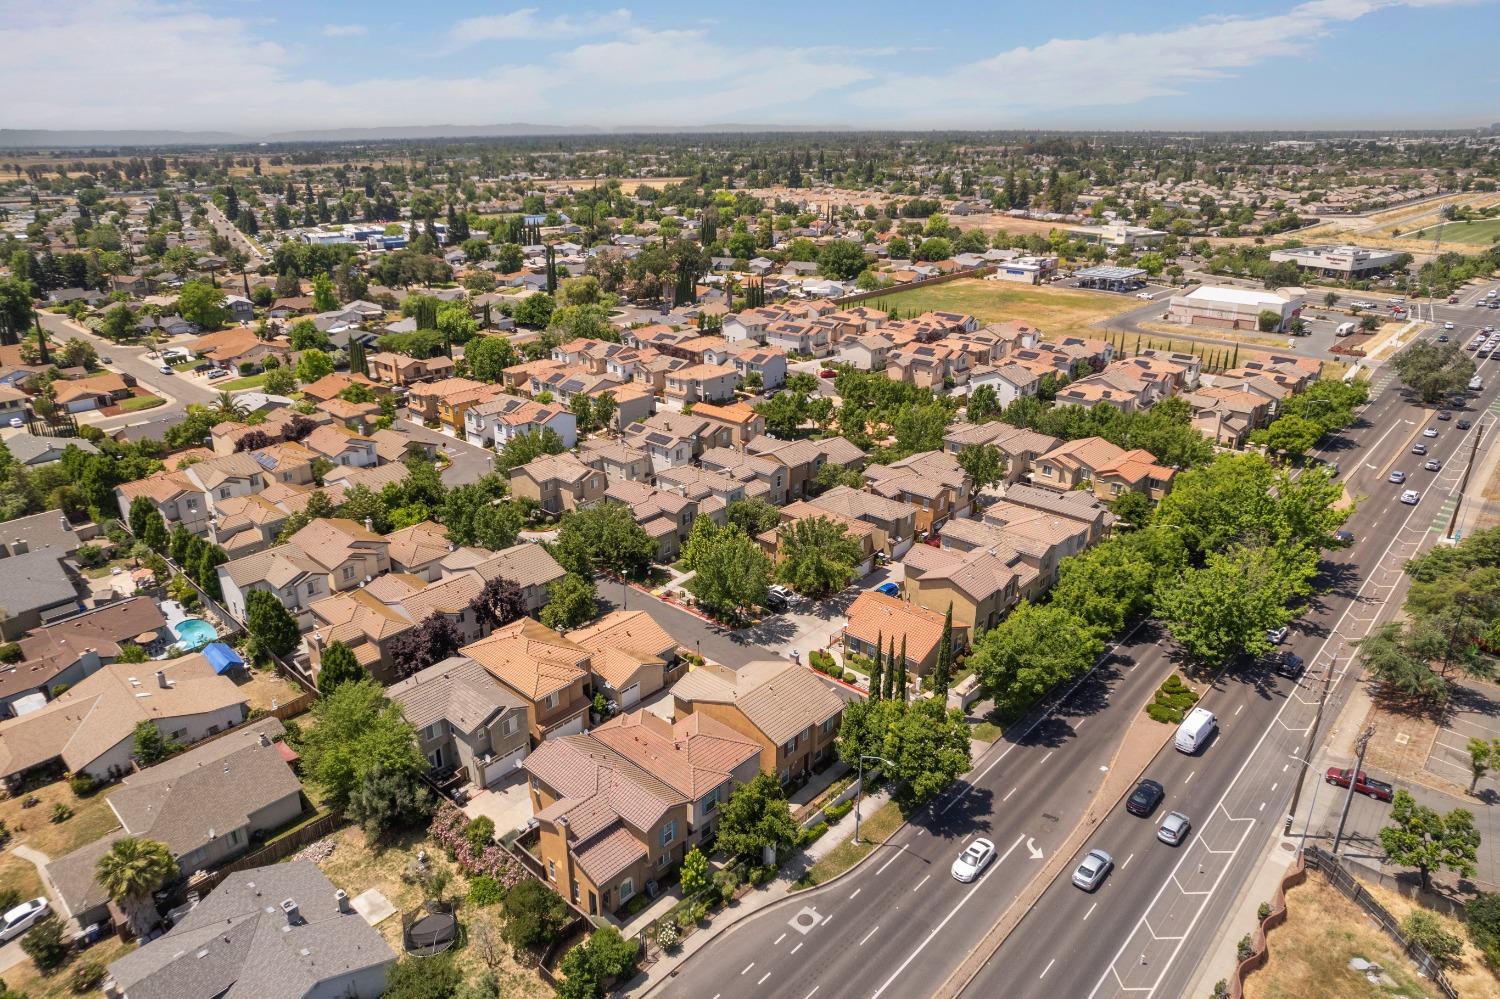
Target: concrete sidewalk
778	889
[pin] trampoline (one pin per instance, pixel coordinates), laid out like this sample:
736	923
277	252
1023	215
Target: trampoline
431	933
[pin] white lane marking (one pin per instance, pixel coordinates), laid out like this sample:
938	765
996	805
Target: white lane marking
1049	755
799	946
1008	794
1079	724
748	967
1127	861
888	863
779	939
1188	777
763	978
948	918
856	892
922	882
1275	785
810	994
1284	767
1262	807
1086	915
1047	969
869	935
1238	710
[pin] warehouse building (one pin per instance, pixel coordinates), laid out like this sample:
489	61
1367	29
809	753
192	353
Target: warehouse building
1024	270
1338	261
1236	308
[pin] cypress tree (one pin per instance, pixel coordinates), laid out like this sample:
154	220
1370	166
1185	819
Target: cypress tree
876	677
893	669
901	688
940	675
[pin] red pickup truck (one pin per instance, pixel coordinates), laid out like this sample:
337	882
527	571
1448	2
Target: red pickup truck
1363	783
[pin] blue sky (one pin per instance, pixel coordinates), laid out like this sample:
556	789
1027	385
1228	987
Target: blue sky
277	65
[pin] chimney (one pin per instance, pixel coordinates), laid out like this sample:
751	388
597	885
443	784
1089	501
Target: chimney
265	740
19	547
341	899
161	680
370	525
63	521
293	916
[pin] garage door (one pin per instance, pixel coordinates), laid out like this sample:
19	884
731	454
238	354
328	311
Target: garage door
630	696
571	727
504	766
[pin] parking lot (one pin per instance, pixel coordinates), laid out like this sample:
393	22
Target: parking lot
1474	713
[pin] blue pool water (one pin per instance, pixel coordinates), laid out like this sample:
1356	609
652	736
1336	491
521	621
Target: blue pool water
195	632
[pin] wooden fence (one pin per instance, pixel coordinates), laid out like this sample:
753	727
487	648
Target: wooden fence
896	289
271	853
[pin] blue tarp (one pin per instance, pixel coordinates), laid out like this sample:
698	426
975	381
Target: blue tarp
222	657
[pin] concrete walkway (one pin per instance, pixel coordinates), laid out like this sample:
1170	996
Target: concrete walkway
776	890
11	953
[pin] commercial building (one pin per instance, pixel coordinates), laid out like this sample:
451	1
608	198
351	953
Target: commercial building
1343	261
1236	308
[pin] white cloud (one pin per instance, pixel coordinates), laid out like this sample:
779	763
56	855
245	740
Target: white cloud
344	30
1113	70
525	23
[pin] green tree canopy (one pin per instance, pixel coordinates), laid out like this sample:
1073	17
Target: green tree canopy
356	730
755	817
818	556
1421	837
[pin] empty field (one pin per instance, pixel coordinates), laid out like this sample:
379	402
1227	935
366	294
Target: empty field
1481	233
1053	310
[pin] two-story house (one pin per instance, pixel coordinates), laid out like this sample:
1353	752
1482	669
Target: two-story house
551	674
875	617
466	719
558	483
931	482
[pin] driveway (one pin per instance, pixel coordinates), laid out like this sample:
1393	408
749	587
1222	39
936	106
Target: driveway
508	805
470	462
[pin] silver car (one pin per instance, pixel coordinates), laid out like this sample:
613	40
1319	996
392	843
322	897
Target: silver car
1174	829
1093	870
23	917
973	860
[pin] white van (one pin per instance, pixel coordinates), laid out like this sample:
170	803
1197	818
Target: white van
1344	329
1195	729
1476	384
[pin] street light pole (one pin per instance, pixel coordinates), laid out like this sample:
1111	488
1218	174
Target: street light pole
859	794
1312	806
1359	761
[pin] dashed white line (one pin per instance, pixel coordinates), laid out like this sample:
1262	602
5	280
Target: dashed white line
1127	861
799	946
1079	724
808	996
1262	807
779	939
1086	915
1049	755
1188	777
1238	710
1008	794
869	935
922	882
763	978
1047	969
1284	767
747	968
887	864
1276	785
856	892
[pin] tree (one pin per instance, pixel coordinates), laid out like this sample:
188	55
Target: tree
272	627
753	515
604	410
1433	370
201	304
1420	837
312	365
1290	435
983	464
604	957
608	538
305	335
1228	605
1268	321
423	978
570	602
695	873
129	871
841	260
141	509
428	644
984	404
534	915
756	817
489	356
1483	754
385	801
323	296
1032	650
1483	925
1390	655
524	448
338	666
928	748
730	571
819	557
509	258
15	309
942	672
357	730
498	602
1424	929
150	746
46	945
534	310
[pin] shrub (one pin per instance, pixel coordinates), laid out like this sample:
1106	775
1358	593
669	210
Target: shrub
83	785
480	833
668	936
727	882
9	899
45	945
835	812
820	660
1172	701
61	812
485	890
1262	911
534	914
1244	948
10	652
1427	930
1484	925
813	832
87	975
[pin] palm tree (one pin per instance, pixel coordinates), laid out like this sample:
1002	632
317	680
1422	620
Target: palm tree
230	408
130	871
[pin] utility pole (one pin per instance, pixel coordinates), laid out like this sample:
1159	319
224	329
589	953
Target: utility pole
1361	744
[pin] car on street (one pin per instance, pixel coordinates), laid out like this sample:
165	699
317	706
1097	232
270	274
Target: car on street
106	359
1430	432
1397	477
1463	424
1344	537
889	589
1433	465
1442	338
1363	783
1145	295
1419	448
23	917
1445	414
1287	664
778	598
164	369
1447	326
1277	635
1174	828
975	858
1146	796
828	373
1411	497
1092	871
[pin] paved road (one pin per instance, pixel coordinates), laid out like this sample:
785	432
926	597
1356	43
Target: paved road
226	228
1144	932
470	461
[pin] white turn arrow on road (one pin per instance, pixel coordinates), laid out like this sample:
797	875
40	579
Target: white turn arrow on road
1032	848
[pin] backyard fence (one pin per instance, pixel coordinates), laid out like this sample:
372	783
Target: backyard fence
271	853
896	289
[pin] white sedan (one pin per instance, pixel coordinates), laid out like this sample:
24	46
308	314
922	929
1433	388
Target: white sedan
23	917
973	860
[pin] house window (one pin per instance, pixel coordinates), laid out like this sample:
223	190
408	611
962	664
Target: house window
224	493
828	725
348	572
312	587
551	700
551	871
669	832
507	726
430	732
575	891
626	889
711	800
790	747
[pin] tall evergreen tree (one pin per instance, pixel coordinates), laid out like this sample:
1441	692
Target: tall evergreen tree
892	670
901	688
941	673
876	677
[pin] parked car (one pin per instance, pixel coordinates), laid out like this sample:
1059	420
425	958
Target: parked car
1092	871
1147	795
165	369
1174	829
778	598
218	373
1397	477
1411	497
23	917
828	373
889	589
1278	635
106	359
16	421
1344	537
1287	664
975	858
1363	783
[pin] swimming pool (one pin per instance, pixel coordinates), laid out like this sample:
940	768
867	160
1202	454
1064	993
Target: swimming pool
195	632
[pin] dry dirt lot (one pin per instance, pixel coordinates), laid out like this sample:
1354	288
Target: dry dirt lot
1054	310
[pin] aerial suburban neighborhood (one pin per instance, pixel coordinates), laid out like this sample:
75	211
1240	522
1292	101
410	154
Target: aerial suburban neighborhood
1040	538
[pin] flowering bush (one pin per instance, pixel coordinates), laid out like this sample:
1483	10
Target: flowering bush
448	829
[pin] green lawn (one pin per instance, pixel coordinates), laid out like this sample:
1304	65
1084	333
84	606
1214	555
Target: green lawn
140	402
1054	310
985	731
873	831
1481	233
248	382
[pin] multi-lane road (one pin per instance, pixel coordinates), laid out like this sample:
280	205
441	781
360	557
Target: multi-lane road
899	925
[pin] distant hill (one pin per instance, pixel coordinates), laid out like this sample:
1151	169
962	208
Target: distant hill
40	138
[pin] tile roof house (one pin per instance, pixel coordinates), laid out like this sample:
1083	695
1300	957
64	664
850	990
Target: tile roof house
767	362
66	651
558	483
619	462
981	585
894	521
931	482
703	383
208	805
740	419
632	655
329	555
279	932
419	549
674	439
550	673
1110	470
929	365
90	726
1020	448
498	421
445	401
529	565
342	446
398	369
792	714
804	459
875	616
466	719
666	516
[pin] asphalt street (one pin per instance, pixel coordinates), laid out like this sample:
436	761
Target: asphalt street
1145	930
